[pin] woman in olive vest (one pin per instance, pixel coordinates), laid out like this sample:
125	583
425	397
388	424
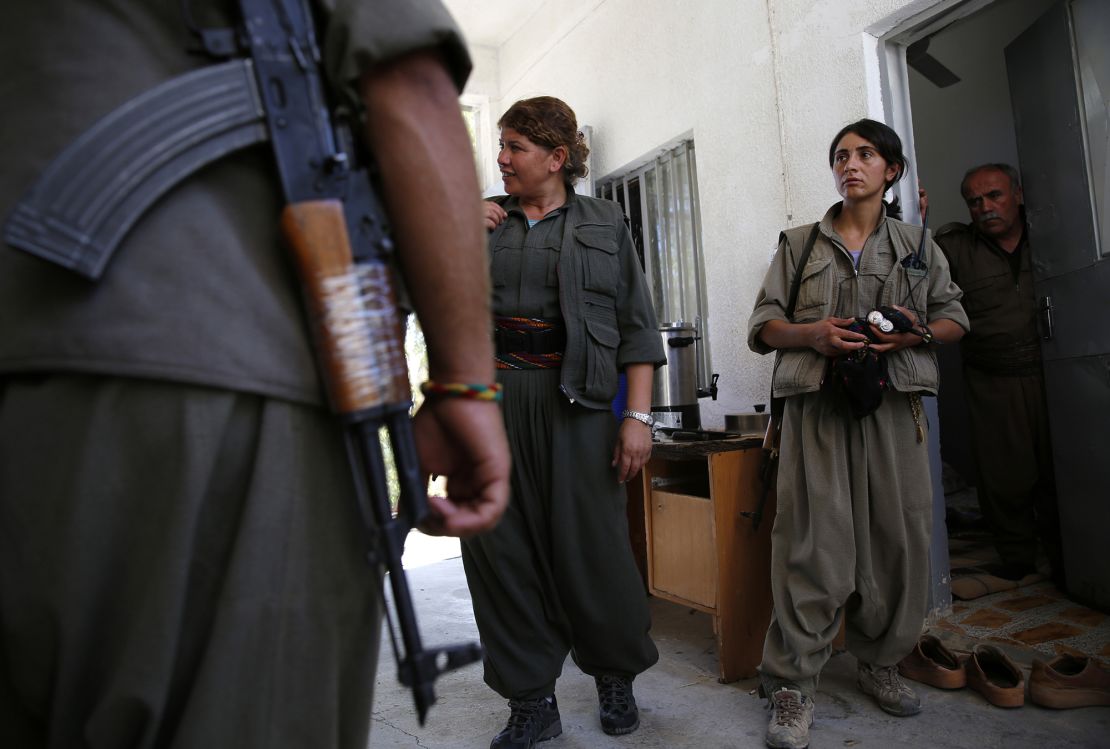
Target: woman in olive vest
571	310
851	535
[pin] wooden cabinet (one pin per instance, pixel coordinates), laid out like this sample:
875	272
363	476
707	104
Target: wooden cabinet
699	551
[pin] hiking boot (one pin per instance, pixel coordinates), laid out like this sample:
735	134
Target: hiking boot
530	721
886	686
616	704
791	717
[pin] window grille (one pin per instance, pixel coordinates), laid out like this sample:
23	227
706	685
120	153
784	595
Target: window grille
660	199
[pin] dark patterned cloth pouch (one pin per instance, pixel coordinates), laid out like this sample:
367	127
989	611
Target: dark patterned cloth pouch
861	376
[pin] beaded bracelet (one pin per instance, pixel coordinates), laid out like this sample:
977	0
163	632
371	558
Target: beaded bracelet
432	389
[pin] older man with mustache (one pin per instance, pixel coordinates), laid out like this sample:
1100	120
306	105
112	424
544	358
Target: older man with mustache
990	260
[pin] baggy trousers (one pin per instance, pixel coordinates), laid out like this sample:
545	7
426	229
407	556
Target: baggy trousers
557	574
1013	454
179	567
850	540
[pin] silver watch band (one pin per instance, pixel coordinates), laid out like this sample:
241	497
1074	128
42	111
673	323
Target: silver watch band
638	416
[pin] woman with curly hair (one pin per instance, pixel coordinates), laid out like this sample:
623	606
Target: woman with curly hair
571	311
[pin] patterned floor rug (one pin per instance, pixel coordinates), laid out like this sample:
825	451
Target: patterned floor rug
1028	618
1036	621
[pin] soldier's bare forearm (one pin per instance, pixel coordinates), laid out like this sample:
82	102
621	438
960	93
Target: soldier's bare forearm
417	133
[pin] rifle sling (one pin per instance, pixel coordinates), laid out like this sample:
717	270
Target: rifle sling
778	405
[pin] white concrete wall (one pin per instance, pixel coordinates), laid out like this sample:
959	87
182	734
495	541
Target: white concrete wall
762	85
485	78
482	88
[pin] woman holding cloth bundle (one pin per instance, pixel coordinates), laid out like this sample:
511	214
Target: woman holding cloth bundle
571	310
851	536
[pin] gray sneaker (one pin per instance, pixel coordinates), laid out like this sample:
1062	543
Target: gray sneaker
791	717
885	684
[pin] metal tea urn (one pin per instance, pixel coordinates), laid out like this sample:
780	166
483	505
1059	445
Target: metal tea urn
675	391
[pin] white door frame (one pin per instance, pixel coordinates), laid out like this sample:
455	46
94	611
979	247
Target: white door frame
888	100
888	87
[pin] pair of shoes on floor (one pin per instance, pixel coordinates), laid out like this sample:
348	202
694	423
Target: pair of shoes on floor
992	674
792	711
930	662
986	670
791	717
536	720
885	685
1069	681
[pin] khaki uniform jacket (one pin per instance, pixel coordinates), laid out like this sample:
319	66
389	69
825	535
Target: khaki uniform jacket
1002	308
201	290
603	298
832	286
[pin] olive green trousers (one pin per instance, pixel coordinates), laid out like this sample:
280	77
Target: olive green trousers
557	575
851	537
1013	456
180	567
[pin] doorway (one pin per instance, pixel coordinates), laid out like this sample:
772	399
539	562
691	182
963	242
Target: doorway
958	86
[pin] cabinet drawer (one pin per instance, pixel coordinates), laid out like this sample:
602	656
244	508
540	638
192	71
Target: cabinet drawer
683	547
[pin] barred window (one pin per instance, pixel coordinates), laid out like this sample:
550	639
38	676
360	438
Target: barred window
660	199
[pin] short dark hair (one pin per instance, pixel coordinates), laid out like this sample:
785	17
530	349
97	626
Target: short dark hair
883	137
1009	171
550	122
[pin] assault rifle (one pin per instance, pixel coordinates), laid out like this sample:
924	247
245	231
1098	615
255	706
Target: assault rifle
768	464
268	87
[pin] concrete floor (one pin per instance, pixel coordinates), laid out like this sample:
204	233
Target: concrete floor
681	702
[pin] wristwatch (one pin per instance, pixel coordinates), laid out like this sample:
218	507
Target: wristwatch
638	416
926	334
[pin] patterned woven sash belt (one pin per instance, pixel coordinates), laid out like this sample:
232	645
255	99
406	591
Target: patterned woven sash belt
529	342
